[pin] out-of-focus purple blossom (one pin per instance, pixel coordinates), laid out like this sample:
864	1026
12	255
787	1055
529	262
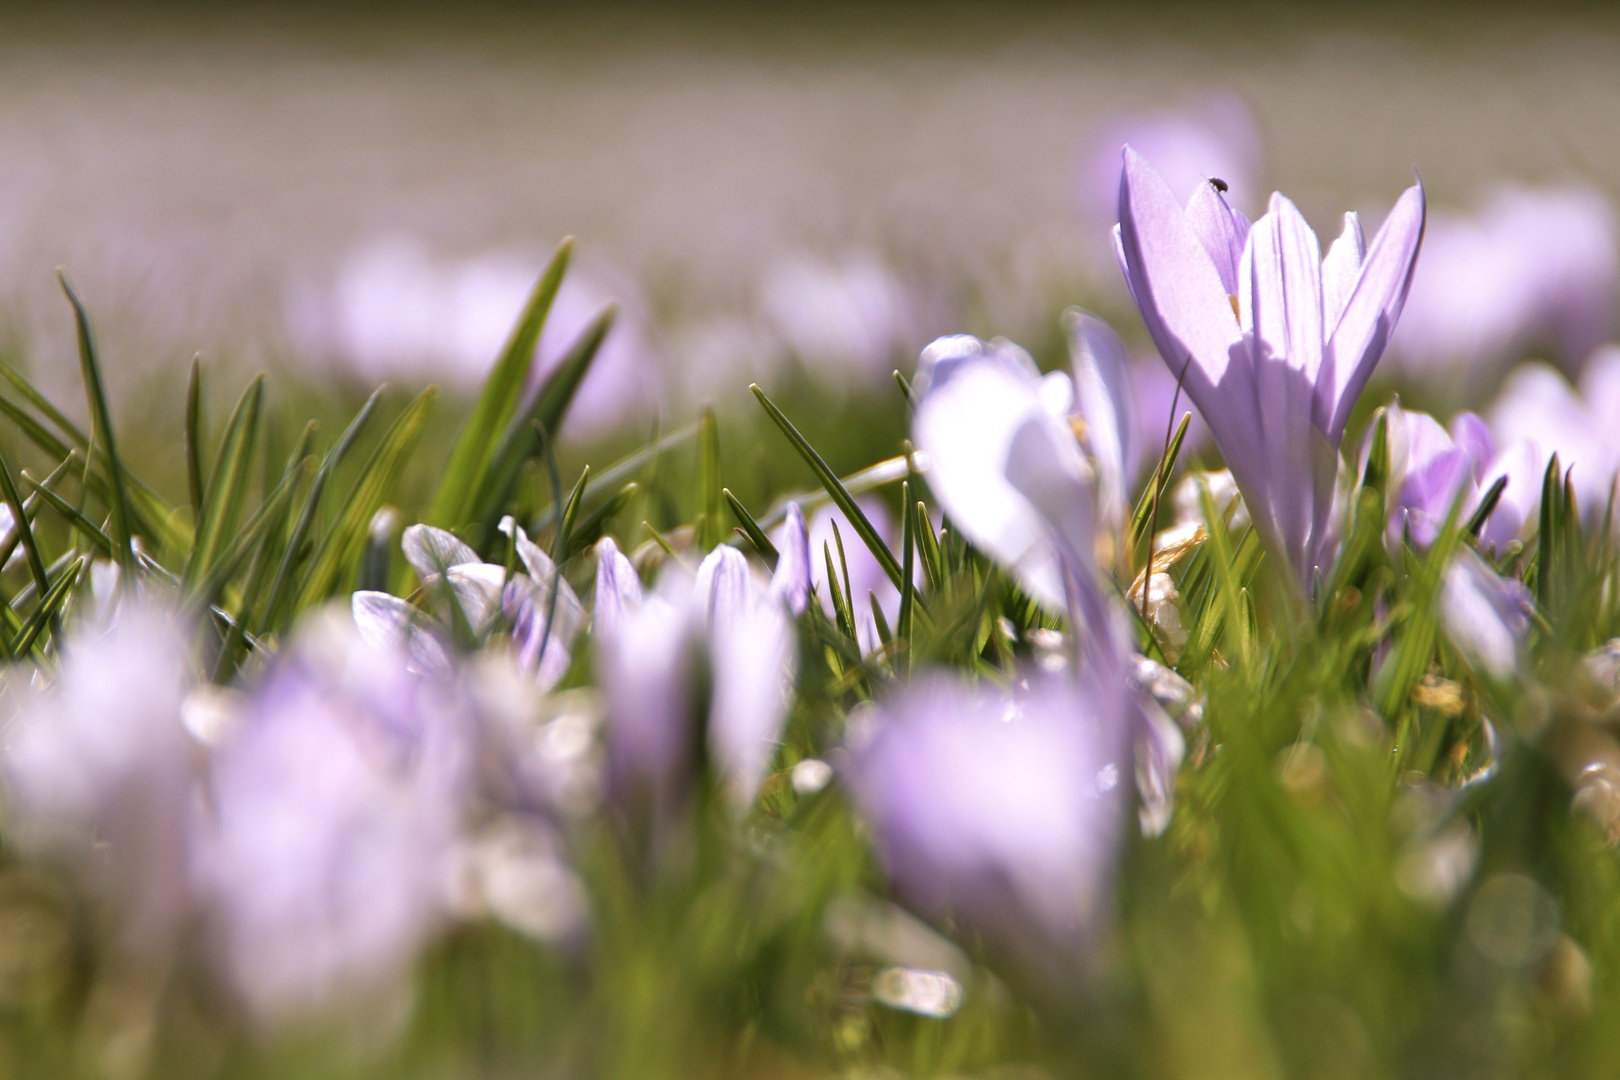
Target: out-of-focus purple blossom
647	659
1537	405
1273	341
1485	615
98	768
331	823
396	309
1431	469
1105	399
1532	264
850	317
1216	137
618	588
791	581
1001	809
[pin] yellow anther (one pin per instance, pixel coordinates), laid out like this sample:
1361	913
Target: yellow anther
1237	312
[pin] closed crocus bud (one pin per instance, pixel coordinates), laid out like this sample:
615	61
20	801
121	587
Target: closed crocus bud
791	581
334	811
644	665
98	768
752	650
618	588
999	809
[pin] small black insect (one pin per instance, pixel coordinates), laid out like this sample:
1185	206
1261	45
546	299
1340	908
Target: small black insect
1218	184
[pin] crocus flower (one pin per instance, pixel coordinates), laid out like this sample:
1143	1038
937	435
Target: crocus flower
1532	264
1432	468
541	607
985	412
1001	809
1485	615
1273	341
98	768
647	656
867	578
334	812
1537	405
850	317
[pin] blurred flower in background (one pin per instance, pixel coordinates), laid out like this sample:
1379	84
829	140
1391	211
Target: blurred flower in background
843	318
1215	135
1538	406
1533	266
394	310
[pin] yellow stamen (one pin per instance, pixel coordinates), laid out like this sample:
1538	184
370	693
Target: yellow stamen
1236	311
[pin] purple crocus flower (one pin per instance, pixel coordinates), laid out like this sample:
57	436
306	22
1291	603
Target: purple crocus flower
98	768
1273	341
1486	615
648	651
334	813
1001	809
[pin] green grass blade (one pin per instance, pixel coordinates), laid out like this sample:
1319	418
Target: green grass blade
751	529
1154	492
25	528
908	591
565	532
523	439
711	531
590	530
846	622
48	608
227	487
96	391
312	502
76	518
340	552
928	548
497	402
614	476
834	487
194	425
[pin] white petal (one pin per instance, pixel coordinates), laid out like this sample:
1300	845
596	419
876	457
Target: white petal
432	551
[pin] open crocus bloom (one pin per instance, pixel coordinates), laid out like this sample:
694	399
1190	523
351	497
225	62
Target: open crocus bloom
986	413
540	605
1431	468
1273	341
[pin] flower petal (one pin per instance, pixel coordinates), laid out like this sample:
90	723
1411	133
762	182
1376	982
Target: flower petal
1340	270
1370	314
432	551
1107	400
618	588
1222	230
791	582
966	426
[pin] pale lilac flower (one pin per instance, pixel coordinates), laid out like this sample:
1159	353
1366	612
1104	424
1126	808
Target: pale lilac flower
397	309
1532	264
978	410
1105	401
1001	809
1485	615
647	663
792	579
332	819
540	606
1215	136
1537	405
850	317
618	588
98	769
1276	341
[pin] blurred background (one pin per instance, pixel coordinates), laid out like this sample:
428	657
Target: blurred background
355	194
